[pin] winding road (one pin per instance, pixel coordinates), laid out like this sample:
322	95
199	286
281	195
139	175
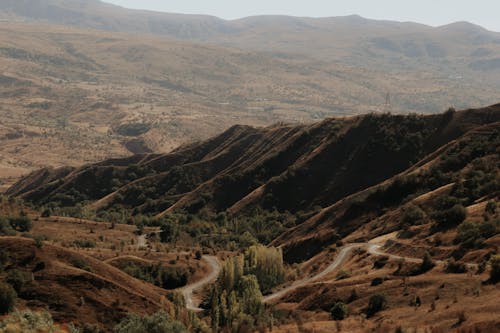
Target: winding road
341	257
189	290
344	252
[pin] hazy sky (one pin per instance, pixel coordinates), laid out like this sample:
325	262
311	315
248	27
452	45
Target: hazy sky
432	12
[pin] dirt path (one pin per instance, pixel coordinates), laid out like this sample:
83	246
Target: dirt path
188	291
343	254
142	241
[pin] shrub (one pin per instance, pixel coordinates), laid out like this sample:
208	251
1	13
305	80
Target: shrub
450	217
472	235
84	243
29	321
47	212
17	279
377	281
353	296
380	262
39	241
427	263
6	228
377	302
456	267
198	255
413	215
159	322
341	275
21	223
169	231
491	207
339	311
81	264
495	268
7	298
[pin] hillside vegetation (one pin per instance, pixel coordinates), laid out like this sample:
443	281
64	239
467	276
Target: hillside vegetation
152	81
328	179
359	220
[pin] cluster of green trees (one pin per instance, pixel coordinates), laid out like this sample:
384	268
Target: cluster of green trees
159	275
29	321
9	225
473	234
266	264
12	282
236	300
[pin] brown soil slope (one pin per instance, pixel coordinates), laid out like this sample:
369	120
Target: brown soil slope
290	168
75	287
465	171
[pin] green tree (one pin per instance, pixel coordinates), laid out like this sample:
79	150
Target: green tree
266	263
377	302
451	217
339	311
427	263
170	232
413	215
21	223
495	268
7	298
17	279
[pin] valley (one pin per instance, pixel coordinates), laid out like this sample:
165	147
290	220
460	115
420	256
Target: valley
413	249
173	173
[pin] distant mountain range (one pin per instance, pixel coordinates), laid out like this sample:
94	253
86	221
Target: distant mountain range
352	38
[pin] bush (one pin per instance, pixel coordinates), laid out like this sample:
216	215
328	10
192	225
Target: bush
5	227
380	262
81	264
17	279
29	321
7	298
21	223
491	207
47	212
495	268
427	263
159	322
455	267
377	281
339	311
377	302
84	243
450	217
413	215
198	255
341	275
472	235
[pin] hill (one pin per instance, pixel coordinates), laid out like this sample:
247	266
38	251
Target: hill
459	49
75	287
73	104
152	81
247	167
352	203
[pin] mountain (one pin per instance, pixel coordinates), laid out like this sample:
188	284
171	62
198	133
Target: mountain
285	168
352	38
81	96
352	203
86	72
